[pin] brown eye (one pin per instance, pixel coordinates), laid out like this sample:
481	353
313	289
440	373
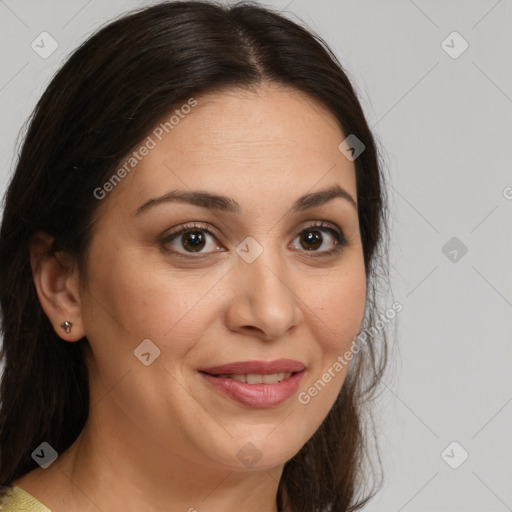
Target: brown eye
314	237
193	240
311	239
190	239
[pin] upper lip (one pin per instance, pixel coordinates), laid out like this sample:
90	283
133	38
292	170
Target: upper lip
256	367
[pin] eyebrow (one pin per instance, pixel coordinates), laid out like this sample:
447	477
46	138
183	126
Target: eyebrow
211	201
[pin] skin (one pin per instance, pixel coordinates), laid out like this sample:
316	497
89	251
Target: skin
159	437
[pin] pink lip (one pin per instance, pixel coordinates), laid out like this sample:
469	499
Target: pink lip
256	395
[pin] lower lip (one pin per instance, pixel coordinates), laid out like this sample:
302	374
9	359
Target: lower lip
257	395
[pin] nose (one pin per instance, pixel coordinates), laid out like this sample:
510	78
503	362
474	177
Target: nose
264	301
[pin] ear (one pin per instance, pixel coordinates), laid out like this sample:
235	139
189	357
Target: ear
56	281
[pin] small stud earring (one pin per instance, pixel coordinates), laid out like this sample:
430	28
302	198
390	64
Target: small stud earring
66	326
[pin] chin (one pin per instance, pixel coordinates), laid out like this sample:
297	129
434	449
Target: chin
258	452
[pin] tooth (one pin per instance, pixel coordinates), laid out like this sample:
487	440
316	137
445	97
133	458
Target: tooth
271	378
254	379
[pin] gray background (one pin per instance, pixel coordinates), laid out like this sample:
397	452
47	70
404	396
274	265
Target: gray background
446	128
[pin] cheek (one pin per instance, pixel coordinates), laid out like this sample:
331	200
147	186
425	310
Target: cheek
339	306
337	311
169	307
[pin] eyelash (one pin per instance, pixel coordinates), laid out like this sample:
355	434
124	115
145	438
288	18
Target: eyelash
341	241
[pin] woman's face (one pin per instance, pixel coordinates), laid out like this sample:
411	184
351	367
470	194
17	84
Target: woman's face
254	280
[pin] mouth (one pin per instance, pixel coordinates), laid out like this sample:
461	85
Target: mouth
254	378
256	383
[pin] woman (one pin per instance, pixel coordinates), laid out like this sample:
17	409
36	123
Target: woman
188	266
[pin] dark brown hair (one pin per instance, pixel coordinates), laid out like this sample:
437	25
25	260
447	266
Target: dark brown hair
102	102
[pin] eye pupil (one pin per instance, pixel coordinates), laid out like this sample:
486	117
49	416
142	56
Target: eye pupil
196	239
193	239
312	237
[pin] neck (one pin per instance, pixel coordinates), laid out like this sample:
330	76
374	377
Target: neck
101	474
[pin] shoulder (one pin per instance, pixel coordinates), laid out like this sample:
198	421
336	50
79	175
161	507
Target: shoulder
18	500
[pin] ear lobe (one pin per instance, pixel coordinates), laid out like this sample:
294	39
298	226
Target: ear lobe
56	281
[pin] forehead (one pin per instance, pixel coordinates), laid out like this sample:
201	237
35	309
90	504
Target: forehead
257	144
271	121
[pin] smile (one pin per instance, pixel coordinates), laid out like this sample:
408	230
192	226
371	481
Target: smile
257	384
